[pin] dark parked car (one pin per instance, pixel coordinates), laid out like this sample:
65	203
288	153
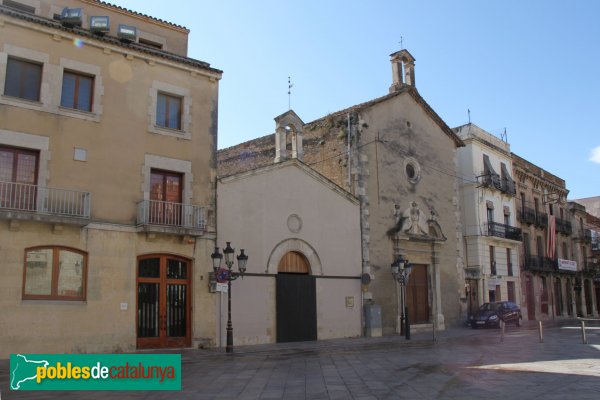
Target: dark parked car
490	314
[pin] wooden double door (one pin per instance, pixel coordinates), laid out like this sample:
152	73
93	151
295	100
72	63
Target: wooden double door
296	299
163	302
417	295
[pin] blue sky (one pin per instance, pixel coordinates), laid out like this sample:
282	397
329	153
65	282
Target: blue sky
530	67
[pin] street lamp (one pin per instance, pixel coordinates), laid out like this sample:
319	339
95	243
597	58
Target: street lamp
227	274
401	269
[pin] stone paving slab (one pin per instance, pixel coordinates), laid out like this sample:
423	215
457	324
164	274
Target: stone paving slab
462	364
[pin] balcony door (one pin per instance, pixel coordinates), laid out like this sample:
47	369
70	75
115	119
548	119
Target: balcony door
18	178
163	302
166	197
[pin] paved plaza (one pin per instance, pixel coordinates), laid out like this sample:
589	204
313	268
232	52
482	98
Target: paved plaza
462	364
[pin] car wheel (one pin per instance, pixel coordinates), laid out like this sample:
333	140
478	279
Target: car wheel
519	321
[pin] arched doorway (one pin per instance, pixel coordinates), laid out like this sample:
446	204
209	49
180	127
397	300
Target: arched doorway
296	299
163	301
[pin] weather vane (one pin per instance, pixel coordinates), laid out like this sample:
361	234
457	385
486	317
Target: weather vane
290	85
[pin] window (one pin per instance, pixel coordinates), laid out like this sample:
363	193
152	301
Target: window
18	178
165	197
55	273
506	216
526	246
490	213
540	246
509	262
565	251
510	290
168	111
19	6
23	79
150	43
492	260
77	91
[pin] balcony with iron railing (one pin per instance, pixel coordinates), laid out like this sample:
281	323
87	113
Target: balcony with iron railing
541	220
491	180
168	217
508	186
526	215
563	226
503	231
32	202
539	264
582	235
592	265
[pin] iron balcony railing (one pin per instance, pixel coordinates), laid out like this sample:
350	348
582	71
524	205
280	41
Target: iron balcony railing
504	231
539	263
526	215
491	180
592	265
541	220
508	186
154	212
563	226
45	200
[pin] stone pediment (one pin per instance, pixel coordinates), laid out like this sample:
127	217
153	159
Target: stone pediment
414	224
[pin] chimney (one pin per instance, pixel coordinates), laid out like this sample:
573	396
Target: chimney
403	70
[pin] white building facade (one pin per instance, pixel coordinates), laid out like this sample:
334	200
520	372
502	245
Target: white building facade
491	238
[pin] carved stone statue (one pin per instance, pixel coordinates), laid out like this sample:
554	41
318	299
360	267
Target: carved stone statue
414	221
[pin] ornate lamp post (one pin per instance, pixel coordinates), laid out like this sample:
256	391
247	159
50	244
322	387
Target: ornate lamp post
401	269
227	274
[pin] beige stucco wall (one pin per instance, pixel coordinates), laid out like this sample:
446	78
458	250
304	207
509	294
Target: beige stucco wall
119	137
253	213
97	324
122	145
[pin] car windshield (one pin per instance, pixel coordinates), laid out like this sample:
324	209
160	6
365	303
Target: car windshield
490	307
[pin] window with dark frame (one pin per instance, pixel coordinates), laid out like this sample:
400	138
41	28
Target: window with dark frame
54	273
509	262
492	261
168	111
23	79
18	178
77	91
18	6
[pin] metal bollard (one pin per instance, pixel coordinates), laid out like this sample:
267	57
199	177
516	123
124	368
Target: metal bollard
541	332
583	336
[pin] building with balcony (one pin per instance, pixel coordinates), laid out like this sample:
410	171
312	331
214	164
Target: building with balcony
489	222
585	250
107	180
548	264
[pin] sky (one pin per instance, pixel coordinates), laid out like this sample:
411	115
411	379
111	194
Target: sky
531	67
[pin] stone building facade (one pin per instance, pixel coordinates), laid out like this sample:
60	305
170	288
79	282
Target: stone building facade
107	180
584	250
399	158
491	238
548	262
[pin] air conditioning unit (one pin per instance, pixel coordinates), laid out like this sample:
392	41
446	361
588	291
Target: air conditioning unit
99	25
71	16
127	33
